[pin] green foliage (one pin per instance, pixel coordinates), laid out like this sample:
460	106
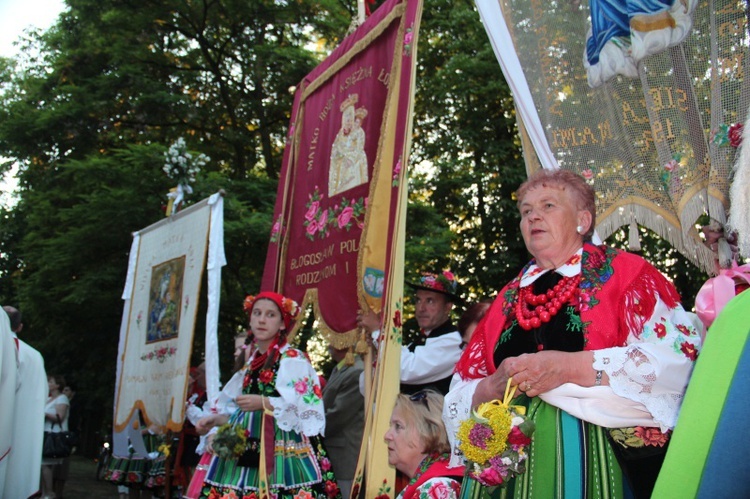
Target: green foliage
89	109
466	143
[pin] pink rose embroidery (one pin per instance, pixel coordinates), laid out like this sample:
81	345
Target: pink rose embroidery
440	490
345	216
312	227
587	174
300	386
312	211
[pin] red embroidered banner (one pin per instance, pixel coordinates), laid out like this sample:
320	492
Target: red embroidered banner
342	173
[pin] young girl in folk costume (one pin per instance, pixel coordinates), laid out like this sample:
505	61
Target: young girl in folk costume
268	440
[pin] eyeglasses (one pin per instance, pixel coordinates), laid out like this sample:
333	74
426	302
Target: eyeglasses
420	396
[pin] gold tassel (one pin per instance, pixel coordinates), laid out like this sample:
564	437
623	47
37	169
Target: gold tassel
349	358
362	347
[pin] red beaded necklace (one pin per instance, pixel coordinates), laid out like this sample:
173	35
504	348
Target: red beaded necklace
534	310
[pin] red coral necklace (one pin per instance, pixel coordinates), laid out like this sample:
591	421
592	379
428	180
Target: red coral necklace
534	310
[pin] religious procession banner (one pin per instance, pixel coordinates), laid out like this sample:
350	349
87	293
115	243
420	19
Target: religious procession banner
167	260
340	180
338	238
645	99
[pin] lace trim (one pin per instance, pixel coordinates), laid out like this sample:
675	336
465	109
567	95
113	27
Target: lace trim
308	422
631	375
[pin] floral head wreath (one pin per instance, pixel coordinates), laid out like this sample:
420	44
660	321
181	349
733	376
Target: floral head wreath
444	282
288	307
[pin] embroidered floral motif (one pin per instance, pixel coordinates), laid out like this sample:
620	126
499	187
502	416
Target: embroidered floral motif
266	376
383	492
689	350
310	391
639	436
575	323
408	39
440	489
320	219
276	230
160	354
660	329
396	173
396	334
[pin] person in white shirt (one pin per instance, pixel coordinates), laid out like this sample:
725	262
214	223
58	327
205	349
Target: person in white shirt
427	362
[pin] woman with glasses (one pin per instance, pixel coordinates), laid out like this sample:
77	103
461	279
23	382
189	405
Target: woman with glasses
418	447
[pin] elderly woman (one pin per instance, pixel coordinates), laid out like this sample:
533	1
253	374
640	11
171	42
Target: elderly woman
597	340
418	447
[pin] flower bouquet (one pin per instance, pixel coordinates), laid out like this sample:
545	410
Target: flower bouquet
230	441
233	442
495	439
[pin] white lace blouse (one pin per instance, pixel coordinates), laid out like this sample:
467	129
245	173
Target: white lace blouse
300	404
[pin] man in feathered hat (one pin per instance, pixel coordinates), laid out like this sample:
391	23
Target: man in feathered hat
428	361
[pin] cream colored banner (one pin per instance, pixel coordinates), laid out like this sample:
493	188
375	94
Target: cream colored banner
160	321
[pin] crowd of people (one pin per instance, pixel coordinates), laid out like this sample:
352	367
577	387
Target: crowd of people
594	340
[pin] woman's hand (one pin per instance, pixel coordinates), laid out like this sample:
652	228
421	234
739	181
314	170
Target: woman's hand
492	387
209	447
536	373
250	403
205	424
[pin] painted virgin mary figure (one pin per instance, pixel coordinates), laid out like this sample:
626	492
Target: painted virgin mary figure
348	167
622	33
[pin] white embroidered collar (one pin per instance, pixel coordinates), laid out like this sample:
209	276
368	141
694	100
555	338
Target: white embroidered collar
569	269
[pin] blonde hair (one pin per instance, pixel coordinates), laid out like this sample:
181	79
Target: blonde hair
424	410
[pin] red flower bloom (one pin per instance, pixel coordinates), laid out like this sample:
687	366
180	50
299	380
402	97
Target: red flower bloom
516	437
661	330
317	392
266	376
397	318
595	258
325	464
735	134
251	495
689	350
214	494
292	353
332	490
684	329
652	436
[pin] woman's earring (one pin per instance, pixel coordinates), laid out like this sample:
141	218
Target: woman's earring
580	229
